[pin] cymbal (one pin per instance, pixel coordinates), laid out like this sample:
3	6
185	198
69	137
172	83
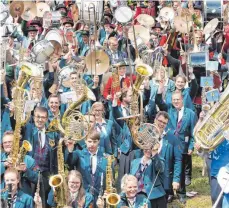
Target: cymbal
140	31
145	19
167	13
97	62
186	14
181	25
30	11
16	8
211	26
42	8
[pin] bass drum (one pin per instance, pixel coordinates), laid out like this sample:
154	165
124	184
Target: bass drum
213	9
84	15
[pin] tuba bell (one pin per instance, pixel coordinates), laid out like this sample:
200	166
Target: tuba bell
210	132
26	147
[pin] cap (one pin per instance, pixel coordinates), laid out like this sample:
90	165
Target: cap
157	25
85	32
32	28
68	21
35	22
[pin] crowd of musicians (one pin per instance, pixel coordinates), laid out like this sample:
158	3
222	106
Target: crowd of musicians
66	136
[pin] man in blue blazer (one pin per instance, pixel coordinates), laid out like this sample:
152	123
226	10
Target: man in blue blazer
29	176
44	148
181	123
91	163
171	153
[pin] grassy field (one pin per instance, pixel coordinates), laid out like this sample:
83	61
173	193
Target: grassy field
199	184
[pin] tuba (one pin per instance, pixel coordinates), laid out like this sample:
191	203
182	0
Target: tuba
112	198
210	132
19	100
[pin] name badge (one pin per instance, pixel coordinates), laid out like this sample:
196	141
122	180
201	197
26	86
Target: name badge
186	139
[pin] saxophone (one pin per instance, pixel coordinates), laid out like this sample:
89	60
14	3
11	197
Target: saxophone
113	198
58	182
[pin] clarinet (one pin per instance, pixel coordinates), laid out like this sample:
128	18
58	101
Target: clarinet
9	199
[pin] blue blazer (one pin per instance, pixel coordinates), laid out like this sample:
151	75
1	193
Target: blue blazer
188	94
23	200
124	139
149	176
88	200
81	160
27	177
185	133
52	138
171	153
140	201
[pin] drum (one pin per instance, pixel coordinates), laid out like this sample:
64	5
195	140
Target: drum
56	17
42	50
213	9
64	76
84	14
198	59
54	35
123	14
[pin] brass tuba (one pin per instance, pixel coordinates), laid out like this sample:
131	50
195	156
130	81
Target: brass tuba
209	133
27	71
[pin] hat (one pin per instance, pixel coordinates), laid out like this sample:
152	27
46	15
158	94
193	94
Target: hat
121	63
59	6
35	22
106	22
31	28
85	32
197	6
107	14
112	26
157	25
68	21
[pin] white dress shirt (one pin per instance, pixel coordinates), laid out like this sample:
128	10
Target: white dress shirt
93	160
180	114
41	137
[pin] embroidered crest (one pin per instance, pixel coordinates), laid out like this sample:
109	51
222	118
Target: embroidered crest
51	142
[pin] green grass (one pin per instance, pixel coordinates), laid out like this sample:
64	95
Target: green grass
199	184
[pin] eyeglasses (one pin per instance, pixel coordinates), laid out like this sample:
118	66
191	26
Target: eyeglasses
41	117
165	123
98	110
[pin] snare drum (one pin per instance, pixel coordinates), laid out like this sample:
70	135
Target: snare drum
213	9
42	50
123	14
84	4
198	59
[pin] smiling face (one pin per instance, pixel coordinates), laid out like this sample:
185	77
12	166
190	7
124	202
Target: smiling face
11	178
177	101
54	104
7	143
147	153
74	184
131	188
180	83
161	122
98	111
40	118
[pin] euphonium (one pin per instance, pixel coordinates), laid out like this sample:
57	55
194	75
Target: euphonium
58	182
113	198
209	133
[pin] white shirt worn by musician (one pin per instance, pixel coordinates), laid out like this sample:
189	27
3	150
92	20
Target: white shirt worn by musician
93	160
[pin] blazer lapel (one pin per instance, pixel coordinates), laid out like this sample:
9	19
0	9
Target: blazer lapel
174	119
164	148
136	166
184	118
